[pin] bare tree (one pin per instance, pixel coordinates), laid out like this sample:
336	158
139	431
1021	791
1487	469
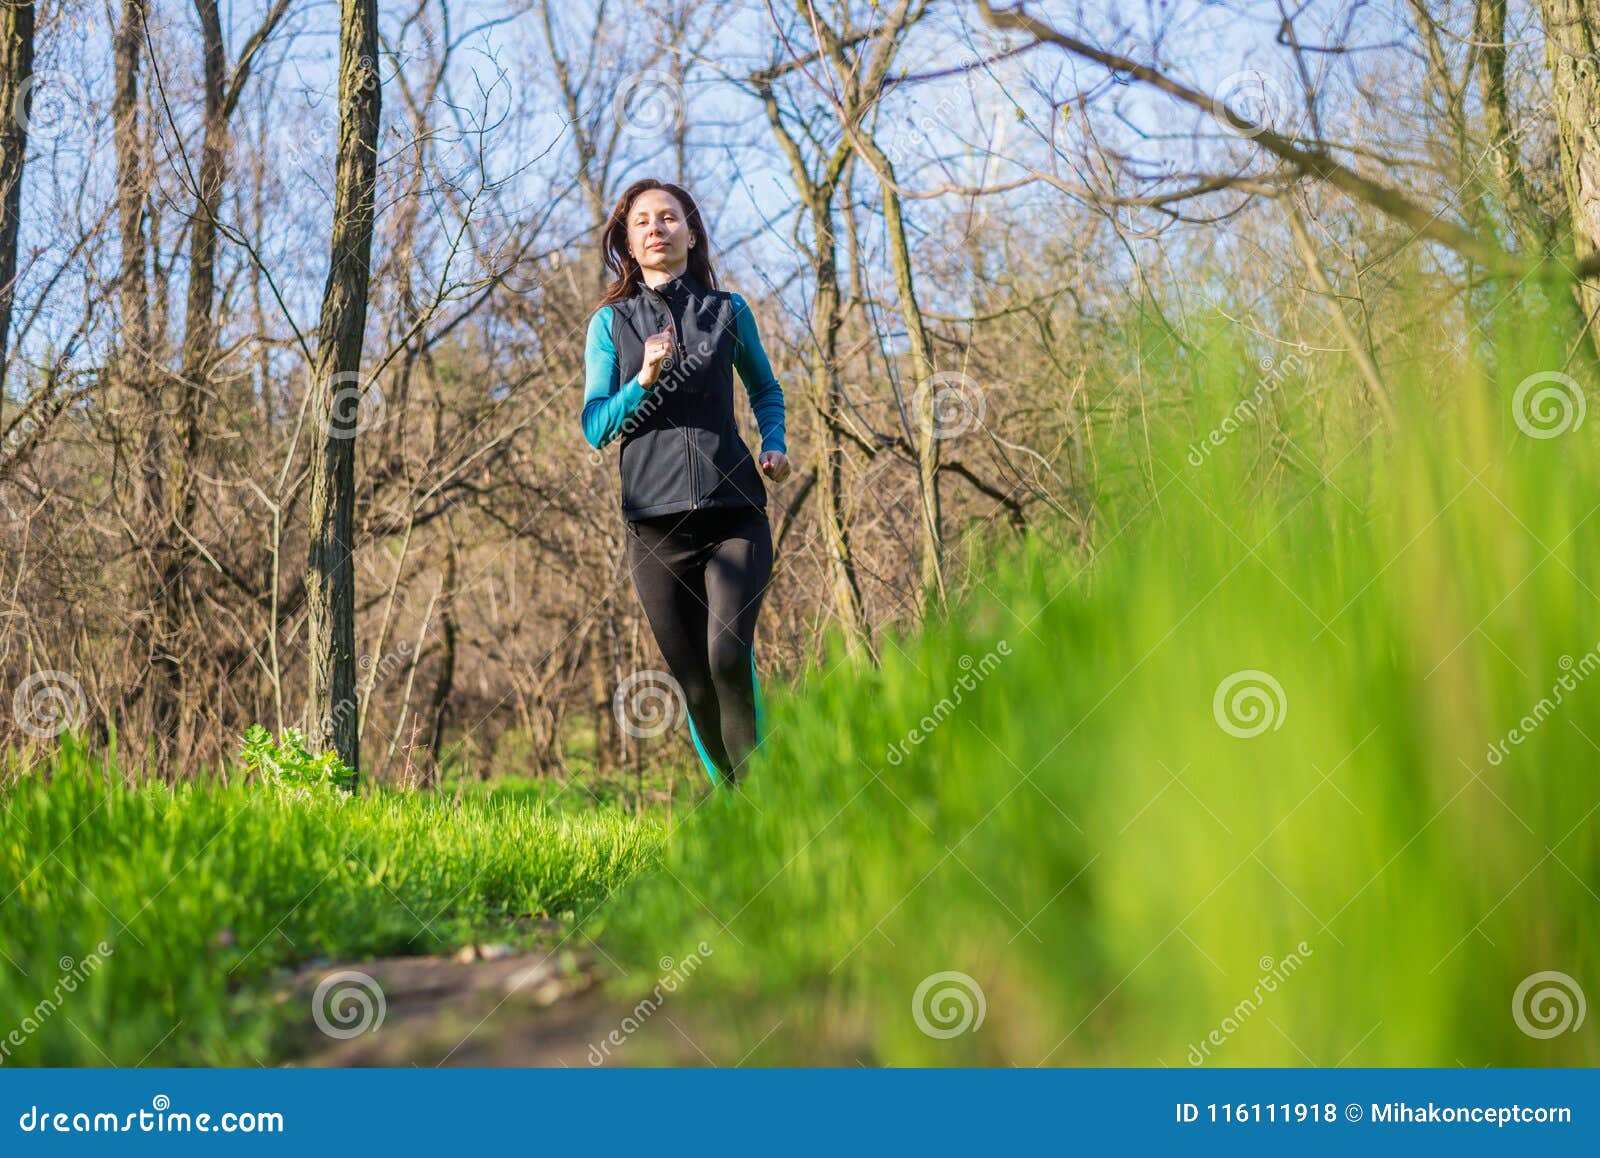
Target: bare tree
818	188
330	572
857	95
1570	44
16	77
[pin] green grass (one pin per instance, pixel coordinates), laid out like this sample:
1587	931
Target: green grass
1075	825
199	894
1117	872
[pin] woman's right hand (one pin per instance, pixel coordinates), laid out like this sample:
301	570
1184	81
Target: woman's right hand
657	349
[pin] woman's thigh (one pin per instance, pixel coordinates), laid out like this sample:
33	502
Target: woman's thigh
737	575
669	579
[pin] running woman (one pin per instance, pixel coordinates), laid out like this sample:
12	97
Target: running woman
660	357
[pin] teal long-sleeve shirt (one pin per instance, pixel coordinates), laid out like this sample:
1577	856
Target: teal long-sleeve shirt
608	403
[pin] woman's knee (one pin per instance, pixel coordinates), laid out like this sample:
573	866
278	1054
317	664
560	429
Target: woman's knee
730	659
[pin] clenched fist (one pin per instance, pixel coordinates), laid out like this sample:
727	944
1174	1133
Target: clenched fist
657	356
775	465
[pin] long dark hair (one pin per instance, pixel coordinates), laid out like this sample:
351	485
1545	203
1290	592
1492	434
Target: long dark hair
615	241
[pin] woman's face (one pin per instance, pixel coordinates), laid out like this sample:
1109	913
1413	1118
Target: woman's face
658	236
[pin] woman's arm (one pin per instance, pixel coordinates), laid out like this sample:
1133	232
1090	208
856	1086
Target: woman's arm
766	396
607	404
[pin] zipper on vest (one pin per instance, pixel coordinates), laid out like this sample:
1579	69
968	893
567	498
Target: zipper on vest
694	475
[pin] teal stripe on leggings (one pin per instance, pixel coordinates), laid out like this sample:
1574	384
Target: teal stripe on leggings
761	725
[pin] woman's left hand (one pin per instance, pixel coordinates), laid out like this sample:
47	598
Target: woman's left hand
775	465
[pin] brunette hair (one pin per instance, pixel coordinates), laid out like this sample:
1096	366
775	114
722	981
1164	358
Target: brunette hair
615	241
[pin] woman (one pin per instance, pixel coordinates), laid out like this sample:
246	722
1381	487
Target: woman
660	357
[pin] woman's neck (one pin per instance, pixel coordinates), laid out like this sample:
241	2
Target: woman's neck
657	277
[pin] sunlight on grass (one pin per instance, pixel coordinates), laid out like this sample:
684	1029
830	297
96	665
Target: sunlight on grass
1229	799
197	894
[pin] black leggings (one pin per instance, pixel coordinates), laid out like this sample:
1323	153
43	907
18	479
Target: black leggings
700	576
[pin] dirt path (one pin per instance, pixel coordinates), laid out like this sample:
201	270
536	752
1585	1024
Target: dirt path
488	1005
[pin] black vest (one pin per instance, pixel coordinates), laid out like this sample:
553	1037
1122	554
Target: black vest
681	450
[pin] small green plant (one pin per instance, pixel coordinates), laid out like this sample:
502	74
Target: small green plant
288	763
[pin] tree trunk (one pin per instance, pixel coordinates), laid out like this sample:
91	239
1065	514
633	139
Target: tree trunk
138	392
330	574
1569	53
822	354
832	518
16	68
440	708
1377	390
181	443
925	424
860	88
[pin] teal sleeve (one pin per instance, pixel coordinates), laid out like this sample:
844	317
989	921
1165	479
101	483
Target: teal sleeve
607	404
766	396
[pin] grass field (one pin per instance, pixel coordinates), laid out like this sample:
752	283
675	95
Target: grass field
1297	769
1230	795
144	925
